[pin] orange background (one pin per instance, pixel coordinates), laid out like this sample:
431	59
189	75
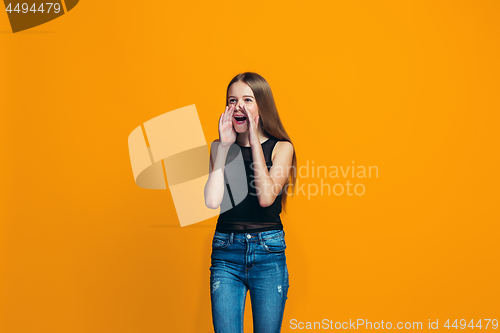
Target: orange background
411	87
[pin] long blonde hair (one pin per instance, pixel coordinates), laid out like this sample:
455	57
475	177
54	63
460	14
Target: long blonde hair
269	120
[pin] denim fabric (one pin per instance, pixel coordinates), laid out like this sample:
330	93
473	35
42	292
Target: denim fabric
243	262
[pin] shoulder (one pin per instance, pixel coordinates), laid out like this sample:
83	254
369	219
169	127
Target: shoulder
283	148
284	145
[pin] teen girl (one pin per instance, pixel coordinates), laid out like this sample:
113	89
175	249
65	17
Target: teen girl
248	247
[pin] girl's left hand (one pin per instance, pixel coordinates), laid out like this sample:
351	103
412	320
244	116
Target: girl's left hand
253	125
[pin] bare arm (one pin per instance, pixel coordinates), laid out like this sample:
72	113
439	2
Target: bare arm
268	184
214	188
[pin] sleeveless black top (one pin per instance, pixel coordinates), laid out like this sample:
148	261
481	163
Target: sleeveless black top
248	215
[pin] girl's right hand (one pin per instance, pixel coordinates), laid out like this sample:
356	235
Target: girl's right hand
226	129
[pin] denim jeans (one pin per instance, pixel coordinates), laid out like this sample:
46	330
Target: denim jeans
243	262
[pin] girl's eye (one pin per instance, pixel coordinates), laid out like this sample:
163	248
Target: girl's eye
248	99
231	101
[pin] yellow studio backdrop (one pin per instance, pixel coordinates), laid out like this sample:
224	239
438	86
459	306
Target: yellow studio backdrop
410	88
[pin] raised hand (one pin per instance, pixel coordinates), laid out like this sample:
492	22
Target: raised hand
253	126
226	129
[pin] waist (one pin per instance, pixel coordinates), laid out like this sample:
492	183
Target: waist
251	236
247	227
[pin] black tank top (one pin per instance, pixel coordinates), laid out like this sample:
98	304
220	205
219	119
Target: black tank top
249	215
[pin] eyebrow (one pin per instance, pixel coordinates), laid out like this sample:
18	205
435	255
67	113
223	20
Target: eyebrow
243	96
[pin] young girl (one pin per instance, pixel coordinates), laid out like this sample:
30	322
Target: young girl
248	248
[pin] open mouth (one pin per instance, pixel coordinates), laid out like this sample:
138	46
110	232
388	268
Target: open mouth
240	119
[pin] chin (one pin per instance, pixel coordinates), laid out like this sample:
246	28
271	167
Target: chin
240	128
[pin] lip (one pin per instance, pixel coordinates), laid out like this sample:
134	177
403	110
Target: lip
239	122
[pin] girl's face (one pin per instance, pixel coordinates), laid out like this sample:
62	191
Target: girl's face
239	95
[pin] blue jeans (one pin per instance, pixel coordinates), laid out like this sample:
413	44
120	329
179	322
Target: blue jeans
248	261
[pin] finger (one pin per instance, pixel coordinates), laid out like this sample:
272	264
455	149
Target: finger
248	114
225	114
249	122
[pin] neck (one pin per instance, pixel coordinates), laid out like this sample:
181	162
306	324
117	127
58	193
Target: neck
242	138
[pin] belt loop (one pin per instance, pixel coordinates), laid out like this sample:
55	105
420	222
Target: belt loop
260	238
231	238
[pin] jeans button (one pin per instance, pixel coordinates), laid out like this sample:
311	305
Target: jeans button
248	236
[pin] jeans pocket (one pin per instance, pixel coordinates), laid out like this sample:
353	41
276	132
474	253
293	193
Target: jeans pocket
275	244
220	242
